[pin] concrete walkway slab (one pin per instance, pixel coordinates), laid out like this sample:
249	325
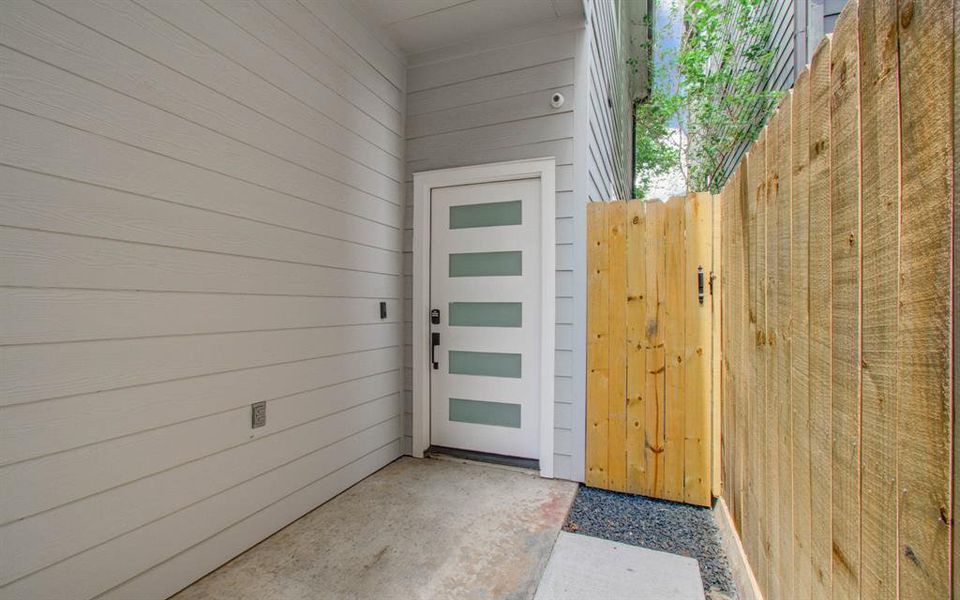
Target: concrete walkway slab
589	568
415	529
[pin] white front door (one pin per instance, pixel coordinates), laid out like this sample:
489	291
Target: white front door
485	324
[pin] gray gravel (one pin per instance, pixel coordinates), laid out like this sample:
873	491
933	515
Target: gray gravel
658	525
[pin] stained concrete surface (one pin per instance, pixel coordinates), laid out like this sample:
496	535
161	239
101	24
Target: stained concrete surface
418	528
588	568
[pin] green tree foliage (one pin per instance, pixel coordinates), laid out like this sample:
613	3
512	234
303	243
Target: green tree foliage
709	93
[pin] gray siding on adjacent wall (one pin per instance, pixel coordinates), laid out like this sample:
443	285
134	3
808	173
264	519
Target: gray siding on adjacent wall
490	102
201	209
609	152
797	28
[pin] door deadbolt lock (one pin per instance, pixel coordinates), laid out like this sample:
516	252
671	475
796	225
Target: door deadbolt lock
435	316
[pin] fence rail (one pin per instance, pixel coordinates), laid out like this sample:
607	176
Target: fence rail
836	373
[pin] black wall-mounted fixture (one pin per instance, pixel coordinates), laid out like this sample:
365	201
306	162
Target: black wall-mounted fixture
383	310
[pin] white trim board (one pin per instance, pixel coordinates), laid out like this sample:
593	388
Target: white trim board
423	183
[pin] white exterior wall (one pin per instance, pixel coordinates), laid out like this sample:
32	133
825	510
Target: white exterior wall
490	102
201	209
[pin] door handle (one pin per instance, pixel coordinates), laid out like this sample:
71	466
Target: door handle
434	342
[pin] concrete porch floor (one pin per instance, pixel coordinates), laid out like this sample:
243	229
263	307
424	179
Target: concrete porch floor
418	528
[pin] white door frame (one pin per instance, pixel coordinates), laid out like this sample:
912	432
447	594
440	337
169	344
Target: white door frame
423	183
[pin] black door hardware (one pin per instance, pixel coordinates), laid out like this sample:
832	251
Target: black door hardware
700	284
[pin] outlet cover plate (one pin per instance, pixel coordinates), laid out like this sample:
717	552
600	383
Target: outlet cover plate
258	414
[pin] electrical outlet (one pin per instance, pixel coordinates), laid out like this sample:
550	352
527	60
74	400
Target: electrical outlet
258	414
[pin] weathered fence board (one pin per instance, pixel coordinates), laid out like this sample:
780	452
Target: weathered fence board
836	241
880	201
819	352
924	377
799	288
845	282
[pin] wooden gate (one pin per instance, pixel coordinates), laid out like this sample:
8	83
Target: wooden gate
650	348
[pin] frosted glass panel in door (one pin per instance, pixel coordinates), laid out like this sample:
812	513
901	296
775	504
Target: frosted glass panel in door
486	264
489	364
486	314
487	214
481	412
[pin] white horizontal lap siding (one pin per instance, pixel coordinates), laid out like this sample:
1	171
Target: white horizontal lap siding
491	103
202	207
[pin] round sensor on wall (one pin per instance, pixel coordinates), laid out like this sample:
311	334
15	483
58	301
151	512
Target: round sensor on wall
556	100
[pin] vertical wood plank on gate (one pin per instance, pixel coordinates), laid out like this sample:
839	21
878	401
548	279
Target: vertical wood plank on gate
772	447
845	355
924	376
820	305
694	392
799	348
755	369
636	346
654	385
782	348
715	289
880	197
617	347
675	273
597	345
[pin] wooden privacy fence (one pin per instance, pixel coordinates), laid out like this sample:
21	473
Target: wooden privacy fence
650	347
836	319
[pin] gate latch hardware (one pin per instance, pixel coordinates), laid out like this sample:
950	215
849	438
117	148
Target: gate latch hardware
434	342
700	284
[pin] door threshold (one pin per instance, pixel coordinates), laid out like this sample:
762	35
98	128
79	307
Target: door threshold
526	464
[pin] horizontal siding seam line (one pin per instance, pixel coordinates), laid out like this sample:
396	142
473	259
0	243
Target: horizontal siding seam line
217	293
212	211
188	377
196	334
182	508
497	74
205	415
558	191
473	54
201	251
495	124
497	99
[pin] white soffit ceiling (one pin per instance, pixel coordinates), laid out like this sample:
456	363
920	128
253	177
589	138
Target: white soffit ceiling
419	25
